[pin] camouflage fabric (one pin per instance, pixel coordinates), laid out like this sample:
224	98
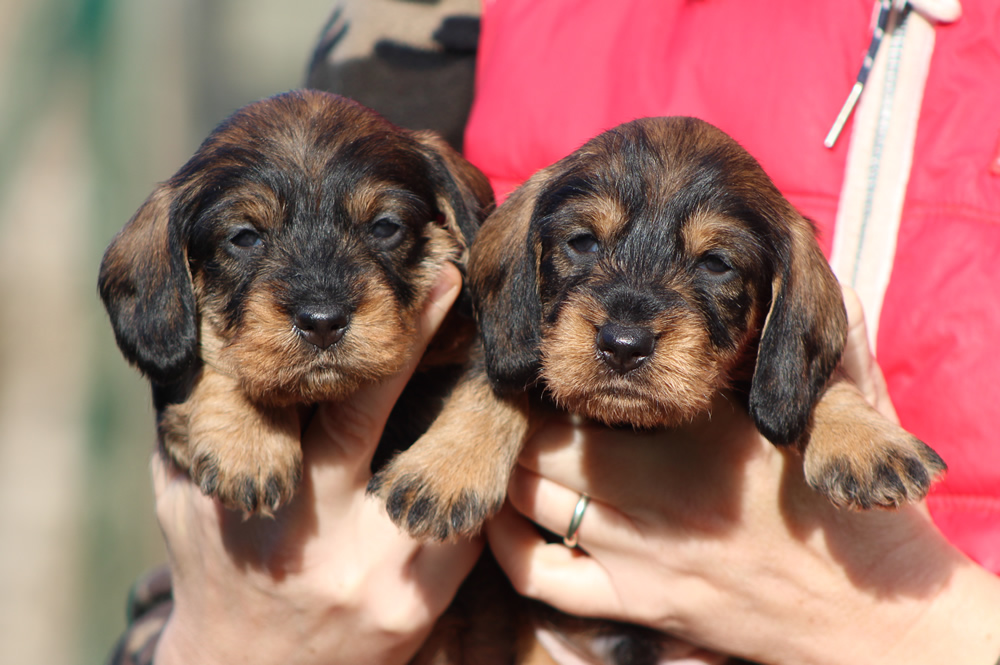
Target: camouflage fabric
413	61
149	605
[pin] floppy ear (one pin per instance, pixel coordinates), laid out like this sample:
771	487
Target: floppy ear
464	195
146	287
802	340
503	277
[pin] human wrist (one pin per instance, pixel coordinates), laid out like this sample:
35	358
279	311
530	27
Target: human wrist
961	625
923	602
217	637
845	587
304	630
176	647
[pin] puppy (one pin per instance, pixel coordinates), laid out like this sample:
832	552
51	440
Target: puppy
285	264
630	283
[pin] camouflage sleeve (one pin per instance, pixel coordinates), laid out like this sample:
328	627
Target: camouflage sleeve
149	605
412	61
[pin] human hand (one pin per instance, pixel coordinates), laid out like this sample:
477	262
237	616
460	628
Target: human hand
710	533
330	579
858	362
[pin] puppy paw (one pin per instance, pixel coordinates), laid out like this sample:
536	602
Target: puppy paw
886	473
246	455
860	459
454	477
441	499
250	485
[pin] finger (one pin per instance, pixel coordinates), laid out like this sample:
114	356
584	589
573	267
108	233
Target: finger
190	520
565	578
163	472
684	653
173	490
553	506
881	390
346	432
380	398
857	358
591	458
645	473
858	362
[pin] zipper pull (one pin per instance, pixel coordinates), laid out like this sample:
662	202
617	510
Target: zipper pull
882	20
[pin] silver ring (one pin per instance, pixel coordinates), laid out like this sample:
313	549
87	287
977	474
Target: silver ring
570	540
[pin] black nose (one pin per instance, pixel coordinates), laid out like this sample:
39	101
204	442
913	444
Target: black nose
624	347
322	327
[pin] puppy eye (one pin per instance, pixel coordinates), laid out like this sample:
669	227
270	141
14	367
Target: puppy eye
584	243
715	264
385	228
246	238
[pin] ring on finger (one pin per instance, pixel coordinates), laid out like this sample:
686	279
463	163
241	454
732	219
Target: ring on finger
570	539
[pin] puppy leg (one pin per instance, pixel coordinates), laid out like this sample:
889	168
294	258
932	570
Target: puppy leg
455	476
249	456
861	460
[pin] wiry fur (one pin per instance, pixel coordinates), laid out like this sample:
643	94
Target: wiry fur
285	264
631	283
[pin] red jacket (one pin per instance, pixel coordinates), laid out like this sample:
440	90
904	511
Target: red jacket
774	75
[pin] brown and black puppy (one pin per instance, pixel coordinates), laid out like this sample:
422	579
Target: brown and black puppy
283	265
630	283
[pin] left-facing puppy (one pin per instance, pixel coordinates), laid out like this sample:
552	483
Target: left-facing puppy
283	265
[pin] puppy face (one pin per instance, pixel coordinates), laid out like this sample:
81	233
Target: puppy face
293	251
643	273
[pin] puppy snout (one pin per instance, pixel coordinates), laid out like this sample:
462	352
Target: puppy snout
623	347
321	327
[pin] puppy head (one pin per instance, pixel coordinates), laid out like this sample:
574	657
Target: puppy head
293	251
643	273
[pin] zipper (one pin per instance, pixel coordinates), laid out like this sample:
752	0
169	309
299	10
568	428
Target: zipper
893	60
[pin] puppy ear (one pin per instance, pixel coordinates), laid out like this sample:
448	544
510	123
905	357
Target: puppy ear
146	287
464	195
503	278
802	340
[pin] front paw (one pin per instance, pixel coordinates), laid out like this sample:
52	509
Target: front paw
252	463
860	459
438	501
454	477
883	474
249	485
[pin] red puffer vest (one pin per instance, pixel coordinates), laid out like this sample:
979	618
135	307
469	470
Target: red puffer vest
774	75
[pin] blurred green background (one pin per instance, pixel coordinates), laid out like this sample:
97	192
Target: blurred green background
99	100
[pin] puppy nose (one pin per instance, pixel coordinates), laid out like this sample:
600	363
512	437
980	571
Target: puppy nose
623	347
322	327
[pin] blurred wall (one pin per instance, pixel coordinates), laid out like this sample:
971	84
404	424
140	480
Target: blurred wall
99	100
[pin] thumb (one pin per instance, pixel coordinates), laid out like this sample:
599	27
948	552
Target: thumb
858	362
356	423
